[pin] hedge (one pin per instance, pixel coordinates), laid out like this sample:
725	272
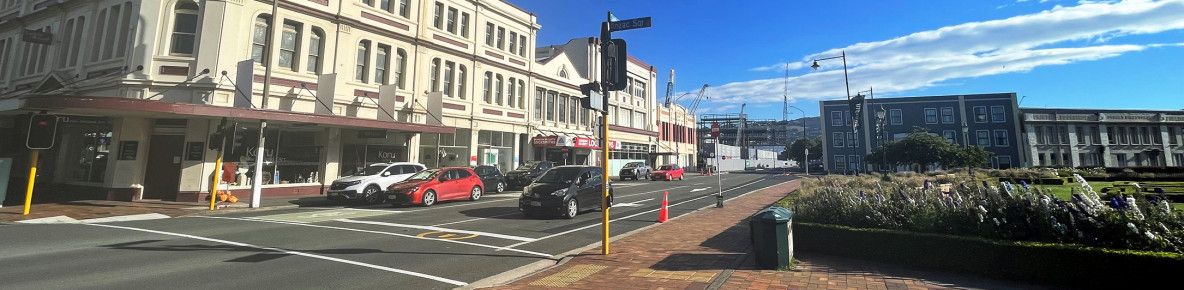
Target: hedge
1039	263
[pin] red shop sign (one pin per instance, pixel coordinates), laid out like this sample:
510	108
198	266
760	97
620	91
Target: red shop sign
583	142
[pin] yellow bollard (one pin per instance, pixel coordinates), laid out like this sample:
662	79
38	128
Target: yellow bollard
217	179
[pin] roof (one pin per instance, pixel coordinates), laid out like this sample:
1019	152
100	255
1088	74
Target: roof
1090	111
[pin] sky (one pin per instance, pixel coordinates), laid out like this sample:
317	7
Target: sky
1054	54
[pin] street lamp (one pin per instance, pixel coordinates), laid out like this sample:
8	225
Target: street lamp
880	114
847	84
966	144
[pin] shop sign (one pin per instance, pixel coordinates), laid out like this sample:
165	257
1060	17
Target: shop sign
612	145
378	134
544	141
67	119
195	151
584	142
128	150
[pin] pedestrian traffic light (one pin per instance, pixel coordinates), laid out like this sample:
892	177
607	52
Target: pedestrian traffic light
43	129
234	139
592	98
216	140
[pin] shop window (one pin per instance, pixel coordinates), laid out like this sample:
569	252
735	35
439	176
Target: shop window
289	157
86	149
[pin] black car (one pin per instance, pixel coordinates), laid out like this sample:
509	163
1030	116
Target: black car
565	190
525	174
491	177
634	170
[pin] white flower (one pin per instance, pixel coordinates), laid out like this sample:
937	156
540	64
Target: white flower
1132	227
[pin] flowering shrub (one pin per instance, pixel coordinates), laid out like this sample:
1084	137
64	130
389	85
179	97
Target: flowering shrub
998	211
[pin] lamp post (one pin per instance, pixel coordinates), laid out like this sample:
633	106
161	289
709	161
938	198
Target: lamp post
880	114
807	159
966	144
847	84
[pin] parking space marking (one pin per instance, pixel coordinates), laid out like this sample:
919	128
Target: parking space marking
496	248
290	252
434	228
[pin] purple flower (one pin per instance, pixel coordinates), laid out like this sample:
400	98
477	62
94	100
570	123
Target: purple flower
928	185
1024	184
985	184
1114	203
862	195
1159	190
1153	200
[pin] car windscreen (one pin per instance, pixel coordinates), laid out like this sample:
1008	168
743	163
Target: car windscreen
372	170
424	175
529	166
666	167
559	175
633	165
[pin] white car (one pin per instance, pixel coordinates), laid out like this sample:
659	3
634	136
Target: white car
369	183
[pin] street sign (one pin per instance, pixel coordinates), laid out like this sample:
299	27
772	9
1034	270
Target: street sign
715	130
616	72
628	24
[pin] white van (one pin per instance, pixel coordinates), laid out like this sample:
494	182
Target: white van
368	184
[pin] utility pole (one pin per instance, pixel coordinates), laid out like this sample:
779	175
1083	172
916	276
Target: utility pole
260	154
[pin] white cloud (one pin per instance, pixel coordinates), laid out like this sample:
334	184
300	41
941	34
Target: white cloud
1059	36
778	67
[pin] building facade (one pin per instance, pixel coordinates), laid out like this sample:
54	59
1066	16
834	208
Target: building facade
1104	138
140	85
677	137
990	121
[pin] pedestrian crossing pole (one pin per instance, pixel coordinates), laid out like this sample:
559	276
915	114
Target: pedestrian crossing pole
217	179
32	178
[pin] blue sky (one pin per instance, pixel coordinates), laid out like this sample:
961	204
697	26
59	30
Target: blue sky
1074	54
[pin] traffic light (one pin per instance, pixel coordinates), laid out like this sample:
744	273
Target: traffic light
43	129
592	98
234	139
216	140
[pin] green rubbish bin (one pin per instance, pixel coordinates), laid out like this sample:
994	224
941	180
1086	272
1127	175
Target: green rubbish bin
772	237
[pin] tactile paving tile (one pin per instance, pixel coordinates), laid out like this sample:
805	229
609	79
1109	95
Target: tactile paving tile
566	277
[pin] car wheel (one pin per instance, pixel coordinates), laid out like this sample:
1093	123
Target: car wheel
680	177
429	198
475	194
372	195
501	187
571	209
610	202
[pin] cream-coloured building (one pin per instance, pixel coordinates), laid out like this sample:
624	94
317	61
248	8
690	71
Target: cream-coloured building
676	143
140	86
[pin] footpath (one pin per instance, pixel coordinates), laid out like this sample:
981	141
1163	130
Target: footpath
711	249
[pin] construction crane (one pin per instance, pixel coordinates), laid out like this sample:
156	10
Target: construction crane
698	98
670	88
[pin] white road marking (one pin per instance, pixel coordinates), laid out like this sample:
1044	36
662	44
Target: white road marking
627	217
433	228
632	204
315	256
382	233
477	219
700	189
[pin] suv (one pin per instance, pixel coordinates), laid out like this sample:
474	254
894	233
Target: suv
368	184
525	174
634	170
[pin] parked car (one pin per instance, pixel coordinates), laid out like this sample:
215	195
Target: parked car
667	172
527	172
491	177
367	184
434	185
564	190
634	170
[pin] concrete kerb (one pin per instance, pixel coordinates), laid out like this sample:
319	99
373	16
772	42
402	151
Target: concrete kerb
528	270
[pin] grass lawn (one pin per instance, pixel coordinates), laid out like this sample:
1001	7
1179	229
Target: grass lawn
1064	192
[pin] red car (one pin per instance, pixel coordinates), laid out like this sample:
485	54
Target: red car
433	185
667	172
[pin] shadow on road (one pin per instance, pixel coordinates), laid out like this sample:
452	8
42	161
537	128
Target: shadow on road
502	212
271	253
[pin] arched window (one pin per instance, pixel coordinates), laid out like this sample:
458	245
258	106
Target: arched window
184	28
400	67
488	84
382	64
97	43
497	90
449	70
434	84
316	41
510	90
259	39
363	61
460	82
563	73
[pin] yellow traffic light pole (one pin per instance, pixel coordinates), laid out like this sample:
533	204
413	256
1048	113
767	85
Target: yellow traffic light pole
32	178
217	179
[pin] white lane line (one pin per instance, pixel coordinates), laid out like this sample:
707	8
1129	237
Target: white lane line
382	233
315	256
433	228
627	217
477	219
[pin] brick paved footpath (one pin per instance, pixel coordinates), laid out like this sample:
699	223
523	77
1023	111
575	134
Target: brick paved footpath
697	250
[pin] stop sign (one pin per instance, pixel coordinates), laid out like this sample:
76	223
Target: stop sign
715	130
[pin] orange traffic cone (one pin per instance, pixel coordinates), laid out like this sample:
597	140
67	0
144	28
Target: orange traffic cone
663	215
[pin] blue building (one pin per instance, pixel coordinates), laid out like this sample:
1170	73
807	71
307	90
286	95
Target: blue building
991	121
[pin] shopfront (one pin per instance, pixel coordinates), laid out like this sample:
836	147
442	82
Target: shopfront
496	148
564	150
361	148
444	150
291	156
625	152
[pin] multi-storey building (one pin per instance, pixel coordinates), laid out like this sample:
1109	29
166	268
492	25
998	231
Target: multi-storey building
990	121
1103	138
353	82
677	138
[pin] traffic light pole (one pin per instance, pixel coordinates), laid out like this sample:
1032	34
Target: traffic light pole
32	178
217	177
605	37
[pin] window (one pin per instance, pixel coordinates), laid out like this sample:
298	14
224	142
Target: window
1121	157
259	39
947	115
639	89
896	117
497	90
384	5
501	38
997	115
1178	159
1001	138
382	63
930	116
1123	138
563	73
363	61
563	109
513	39
101	24
854	161
434	76
836	118
847	118
837	139
449	69
289	42
401	68
538	104
71	41
584	117
950	136
984	138
5	49
315	42
1003	162
461	80
851	139
1063	134
980	114
1171	133
184	28
1083	135
522	45
521	94
489	34
551	106
487	92
438	16
639	120
512	88
840	163
464	25
452	20
1111	135
1039	132
403	11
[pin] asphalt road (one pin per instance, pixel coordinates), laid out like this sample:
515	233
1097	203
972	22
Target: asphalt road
449	245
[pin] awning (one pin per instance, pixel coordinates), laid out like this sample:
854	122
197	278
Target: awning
116	106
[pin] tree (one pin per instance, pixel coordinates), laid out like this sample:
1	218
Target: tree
921	148
797	150
971	156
